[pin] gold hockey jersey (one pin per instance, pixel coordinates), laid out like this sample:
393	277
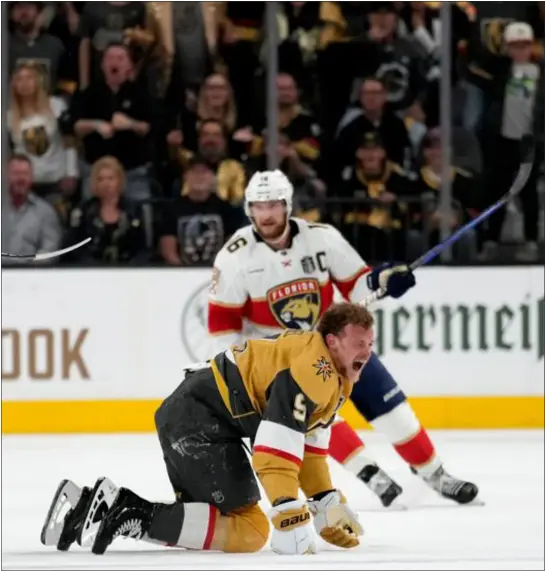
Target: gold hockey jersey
283	393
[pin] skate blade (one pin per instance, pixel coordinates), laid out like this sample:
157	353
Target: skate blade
67	493
101	499
475	503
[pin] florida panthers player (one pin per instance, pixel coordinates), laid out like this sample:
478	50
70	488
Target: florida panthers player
279	273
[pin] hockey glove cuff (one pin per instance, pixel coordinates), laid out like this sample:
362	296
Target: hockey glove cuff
335	521
292	532
395	280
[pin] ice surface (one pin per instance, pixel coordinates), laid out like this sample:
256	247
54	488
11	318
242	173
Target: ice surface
507	533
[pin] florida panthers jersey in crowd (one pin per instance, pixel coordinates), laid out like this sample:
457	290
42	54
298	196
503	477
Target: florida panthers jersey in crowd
257	291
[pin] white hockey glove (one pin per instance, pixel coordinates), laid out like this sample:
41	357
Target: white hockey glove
292	532
335	521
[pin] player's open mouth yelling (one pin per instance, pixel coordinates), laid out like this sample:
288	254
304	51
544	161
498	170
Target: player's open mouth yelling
358	364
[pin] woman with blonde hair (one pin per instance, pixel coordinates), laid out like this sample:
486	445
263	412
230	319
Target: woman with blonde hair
215	101
33	121
115	225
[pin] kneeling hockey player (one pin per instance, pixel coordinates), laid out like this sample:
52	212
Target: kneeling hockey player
281	393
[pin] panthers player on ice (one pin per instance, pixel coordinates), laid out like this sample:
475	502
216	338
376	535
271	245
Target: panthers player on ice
279	273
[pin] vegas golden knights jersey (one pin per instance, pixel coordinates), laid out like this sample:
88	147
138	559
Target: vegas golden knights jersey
283	393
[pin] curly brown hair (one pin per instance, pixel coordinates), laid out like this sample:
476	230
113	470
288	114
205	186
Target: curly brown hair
339	315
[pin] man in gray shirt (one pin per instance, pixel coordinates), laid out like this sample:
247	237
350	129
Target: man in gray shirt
515	112
28	43
29	224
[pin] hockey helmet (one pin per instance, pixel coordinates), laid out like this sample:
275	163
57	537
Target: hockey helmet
268	186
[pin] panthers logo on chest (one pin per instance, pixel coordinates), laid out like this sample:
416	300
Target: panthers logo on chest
296	304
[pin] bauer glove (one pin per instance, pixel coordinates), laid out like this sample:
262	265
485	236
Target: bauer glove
292	532
335	521
394	280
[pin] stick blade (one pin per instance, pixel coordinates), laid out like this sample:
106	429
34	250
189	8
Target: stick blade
46	255
527	153
522	178
57	253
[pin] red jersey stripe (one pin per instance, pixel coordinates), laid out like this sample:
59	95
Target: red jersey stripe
279	454
315	450
223	319
211	528
346	287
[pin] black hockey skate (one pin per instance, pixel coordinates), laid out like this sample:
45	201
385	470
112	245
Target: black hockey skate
450	487
61	527
100	499
380	484
128	516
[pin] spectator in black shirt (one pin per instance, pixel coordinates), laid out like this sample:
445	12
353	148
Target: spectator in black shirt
427	217
113	117
27	44
371	43
375	222
300	28
372	116
115	225
197	225
216	101
299	126
103	24
66	27
401	63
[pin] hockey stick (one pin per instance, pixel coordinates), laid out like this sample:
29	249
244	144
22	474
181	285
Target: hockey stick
518	184
46	255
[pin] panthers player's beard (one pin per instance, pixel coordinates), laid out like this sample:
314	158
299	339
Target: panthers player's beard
275	235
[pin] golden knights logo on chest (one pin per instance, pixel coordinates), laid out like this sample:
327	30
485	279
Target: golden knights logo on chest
36	140
296	304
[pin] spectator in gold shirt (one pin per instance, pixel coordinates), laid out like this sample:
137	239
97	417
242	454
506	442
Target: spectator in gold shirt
297	124
213	148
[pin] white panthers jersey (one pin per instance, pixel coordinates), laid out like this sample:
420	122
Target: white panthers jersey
257	291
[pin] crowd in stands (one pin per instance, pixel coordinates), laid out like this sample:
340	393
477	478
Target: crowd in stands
138	124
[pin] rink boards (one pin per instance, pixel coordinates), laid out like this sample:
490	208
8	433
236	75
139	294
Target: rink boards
91	350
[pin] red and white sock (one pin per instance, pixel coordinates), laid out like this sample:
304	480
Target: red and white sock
410	440
346	447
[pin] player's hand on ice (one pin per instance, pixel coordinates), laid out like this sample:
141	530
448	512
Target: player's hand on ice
395	280
292	533
335	521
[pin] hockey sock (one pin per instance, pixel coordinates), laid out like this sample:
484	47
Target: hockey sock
346	447
184	525
200	526
410	440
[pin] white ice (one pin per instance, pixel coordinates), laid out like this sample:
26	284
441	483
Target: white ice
507	533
